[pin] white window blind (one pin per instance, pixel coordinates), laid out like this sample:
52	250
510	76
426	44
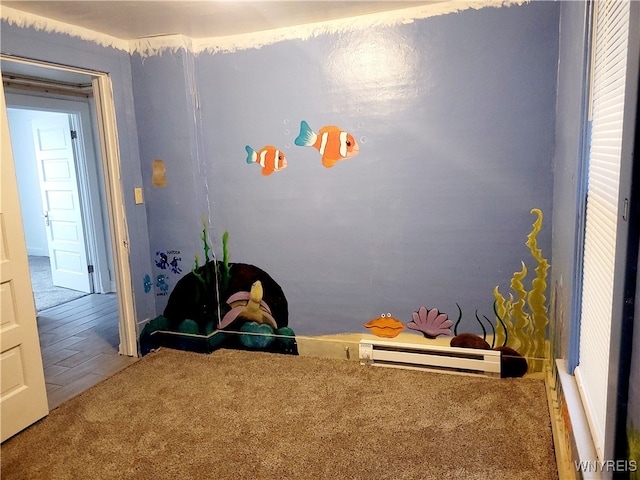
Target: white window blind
609	61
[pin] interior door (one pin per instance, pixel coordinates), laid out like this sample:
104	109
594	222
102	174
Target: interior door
61	202
23	396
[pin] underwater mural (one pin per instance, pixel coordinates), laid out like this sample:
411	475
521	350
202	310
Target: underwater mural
425	210
512	364
253	316
520	321
520	325
333	143
431	323
427	215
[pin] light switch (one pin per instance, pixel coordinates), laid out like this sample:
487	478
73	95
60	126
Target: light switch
137	192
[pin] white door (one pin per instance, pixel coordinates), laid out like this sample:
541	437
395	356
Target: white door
23	396
61	202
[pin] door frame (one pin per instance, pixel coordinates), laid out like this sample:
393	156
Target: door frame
89	176
110	157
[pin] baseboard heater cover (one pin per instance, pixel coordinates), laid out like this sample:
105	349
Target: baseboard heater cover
430	357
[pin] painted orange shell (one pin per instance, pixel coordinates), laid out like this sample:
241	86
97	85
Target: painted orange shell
385	326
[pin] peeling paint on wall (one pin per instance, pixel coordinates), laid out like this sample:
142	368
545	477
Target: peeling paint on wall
28	20
148	47
232	43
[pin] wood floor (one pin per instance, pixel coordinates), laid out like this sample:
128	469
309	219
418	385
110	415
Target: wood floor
79	342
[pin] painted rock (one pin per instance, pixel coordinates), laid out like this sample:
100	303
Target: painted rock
469	340
512	364
191	300
258	336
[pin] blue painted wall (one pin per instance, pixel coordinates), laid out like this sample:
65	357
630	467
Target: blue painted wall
168	130
456	138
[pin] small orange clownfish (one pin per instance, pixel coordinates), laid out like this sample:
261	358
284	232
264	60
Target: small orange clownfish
333	143
270	159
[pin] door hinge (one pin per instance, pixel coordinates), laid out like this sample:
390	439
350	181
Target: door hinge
90	268
74	134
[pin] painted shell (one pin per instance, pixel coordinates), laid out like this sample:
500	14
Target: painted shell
430	322
385	326
250	307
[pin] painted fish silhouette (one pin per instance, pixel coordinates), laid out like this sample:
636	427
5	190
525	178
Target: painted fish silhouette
270	159
333	143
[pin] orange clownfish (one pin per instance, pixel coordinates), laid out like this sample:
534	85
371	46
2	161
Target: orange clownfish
333	143
270	159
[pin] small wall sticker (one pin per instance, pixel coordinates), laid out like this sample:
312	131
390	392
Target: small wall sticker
161	283
148	284
164	263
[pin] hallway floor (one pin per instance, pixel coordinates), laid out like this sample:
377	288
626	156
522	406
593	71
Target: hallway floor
79	342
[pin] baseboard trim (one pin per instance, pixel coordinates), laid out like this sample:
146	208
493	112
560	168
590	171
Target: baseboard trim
561	437
581	447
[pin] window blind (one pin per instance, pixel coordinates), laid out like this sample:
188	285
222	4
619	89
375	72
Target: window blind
609	60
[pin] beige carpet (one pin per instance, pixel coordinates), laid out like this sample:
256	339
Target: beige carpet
250	415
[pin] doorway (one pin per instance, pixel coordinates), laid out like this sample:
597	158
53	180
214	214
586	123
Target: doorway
90	95
62	197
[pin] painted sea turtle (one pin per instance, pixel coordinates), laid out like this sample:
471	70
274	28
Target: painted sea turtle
249	307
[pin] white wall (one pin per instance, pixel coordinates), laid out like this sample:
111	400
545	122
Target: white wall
27	175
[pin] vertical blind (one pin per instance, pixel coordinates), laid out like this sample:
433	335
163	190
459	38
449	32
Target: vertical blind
609	61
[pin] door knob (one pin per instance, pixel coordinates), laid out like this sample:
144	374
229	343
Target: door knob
46	218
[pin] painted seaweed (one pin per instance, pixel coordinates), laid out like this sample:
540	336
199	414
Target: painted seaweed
524	316
203	274
226	271
536	298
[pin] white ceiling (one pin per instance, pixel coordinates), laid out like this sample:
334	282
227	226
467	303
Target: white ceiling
129	20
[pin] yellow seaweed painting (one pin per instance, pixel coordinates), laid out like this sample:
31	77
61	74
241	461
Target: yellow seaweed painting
523	317
633	438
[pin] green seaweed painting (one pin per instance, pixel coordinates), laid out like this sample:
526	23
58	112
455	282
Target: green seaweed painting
521	321
203	275
226	271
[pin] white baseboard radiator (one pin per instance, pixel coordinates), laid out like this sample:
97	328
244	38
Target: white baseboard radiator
430	357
